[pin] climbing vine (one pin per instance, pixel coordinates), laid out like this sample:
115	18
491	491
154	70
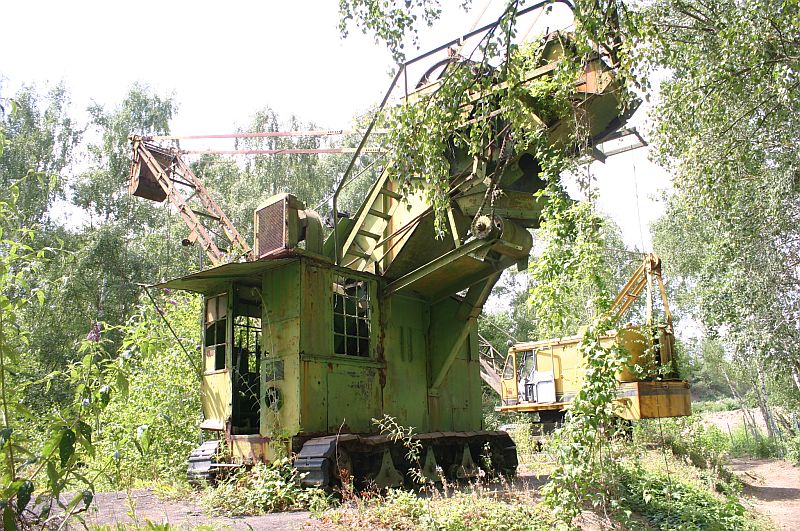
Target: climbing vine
484	109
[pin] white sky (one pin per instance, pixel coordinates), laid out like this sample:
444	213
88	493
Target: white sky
224	61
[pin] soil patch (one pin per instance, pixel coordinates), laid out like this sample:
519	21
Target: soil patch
772	487
729	421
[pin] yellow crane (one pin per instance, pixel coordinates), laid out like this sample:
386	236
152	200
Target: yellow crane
544	376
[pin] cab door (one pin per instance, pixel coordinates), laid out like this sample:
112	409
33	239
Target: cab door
509	388
216	392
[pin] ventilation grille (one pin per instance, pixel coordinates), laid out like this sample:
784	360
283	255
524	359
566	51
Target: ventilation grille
271	229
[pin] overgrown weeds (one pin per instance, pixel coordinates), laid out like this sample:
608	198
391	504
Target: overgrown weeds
746	442
264	488
507	510
667	502
708	447
703	446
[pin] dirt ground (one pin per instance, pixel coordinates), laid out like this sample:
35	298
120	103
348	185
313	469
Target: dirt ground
728	421
771	487
112	508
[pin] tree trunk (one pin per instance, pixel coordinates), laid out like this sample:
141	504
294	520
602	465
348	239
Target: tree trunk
763	400
796	376
746	414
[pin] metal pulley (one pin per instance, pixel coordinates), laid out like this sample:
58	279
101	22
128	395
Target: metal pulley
484	227
514	241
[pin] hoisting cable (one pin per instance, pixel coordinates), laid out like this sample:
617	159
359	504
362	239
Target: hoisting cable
160	312
505	332
638	210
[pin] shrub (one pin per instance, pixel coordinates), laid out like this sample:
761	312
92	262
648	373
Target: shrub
152	430
264	488
793	449
713	406
703	446
477	510
745	443
670	503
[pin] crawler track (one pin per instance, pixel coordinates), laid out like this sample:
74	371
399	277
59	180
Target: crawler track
379	460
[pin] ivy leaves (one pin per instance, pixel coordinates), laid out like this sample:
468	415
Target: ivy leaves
391	21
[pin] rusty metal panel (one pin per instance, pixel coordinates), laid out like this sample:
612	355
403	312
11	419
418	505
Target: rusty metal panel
279	399
316	310
271	228
313	396
406	352
281	292
458	398
354	397
142	181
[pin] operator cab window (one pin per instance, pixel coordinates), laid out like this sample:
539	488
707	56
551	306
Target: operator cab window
216	325
351	316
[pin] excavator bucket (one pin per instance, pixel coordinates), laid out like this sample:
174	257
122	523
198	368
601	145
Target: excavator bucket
142	182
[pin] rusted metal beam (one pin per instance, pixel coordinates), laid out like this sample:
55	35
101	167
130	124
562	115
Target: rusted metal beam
213	208
287	151
166	180
264	134
471	306
177	200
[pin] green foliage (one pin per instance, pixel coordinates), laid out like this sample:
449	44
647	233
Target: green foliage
391	22
524	434
48	460
744	442
588	447
707	447
121	241
264	488
573	262
703	446
509	511
713	406
482	104
793	449
39	139
153	428
102	190
405	436
241	188
427	135
667	502
726	124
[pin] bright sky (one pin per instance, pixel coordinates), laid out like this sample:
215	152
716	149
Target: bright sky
225	60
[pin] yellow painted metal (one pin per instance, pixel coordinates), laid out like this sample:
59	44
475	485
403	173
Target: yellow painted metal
635	401
215	397
643	391
563	358
652	400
